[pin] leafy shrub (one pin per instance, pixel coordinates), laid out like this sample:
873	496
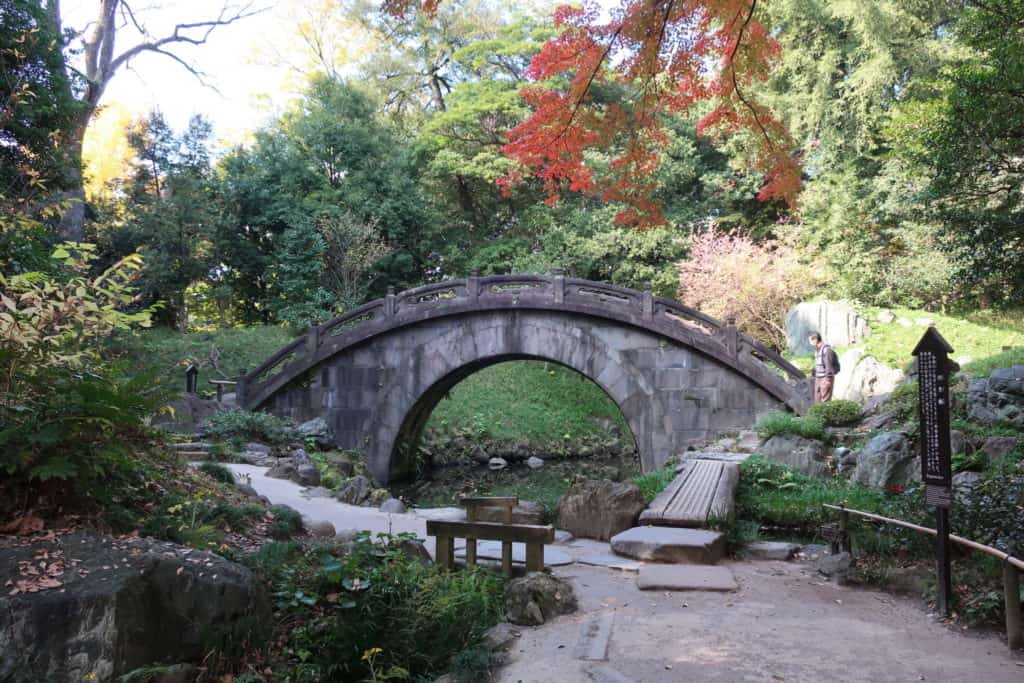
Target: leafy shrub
774	424
774	495
836	413
417	615
757	282
903	402
473	664
65	414
653	483
218	472
182	519
286	524
242	425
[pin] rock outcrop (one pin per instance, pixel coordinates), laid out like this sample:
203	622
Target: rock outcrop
123	603
887	461
998	398
538	597
837	322
863	377
599	509
807	456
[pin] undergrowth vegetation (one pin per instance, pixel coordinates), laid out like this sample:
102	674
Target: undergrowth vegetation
836	413
239	426
775	424
380	609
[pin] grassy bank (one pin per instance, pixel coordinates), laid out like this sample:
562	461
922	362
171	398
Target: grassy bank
529	401
219	354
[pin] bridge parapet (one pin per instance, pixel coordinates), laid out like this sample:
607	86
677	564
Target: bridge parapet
529	292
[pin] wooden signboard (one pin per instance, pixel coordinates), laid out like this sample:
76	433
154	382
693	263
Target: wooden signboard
933	368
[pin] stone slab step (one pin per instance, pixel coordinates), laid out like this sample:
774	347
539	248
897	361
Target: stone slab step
611	561
192	446
703	490
605	674
669	577
594	635
770	550
666	544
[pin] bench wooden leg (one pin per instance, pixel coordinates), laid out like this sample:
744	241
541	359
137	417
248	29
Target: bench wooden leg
220	393
445	552
506	558
534	557
470	551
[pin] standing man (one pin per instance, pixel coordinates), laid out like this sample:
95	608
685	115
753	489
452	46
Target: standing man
825	368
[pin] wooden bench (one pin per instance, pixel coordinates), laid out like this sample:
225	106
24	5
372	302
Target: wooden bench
220	383
535	537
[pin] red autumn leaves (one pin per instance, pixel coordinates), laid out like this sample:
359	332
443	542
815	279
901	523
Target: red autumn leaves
604	86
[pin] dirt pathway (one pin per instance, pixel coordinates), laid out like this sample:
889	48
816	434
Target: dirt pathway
784	624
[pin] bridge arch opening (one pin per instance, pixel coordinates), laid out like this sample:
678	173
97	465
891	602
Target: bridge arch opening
519	373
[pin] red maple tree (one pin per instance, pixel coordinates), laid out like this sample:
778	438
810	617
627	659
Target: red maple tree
666	55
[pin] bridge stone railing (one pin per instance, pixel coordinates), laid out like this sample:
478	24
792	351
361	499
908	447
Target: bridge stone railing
508	292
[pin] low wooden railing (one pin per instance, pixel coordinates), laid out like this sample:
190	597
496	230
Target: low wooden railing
553	292
1012	566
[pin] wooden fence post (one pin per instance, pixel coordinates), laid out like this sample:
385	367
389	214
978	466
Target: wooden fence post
1011	594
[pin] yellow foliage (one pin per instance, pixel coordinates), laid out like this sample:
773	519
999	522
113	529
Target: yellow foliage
106	154
52	322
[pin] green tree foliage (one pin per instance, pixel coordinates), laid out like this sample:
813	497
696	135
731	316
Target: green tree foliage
173	212
329	157
844	66
965	134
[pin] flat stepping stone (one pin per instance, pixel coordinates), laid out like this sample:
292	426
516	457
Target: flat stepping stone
665	544
771	550
667	577
611	562
605	674
594	635
491	550
703	490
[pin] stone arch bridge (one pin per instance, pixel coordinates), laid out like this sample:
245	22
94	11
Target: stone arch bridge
376	372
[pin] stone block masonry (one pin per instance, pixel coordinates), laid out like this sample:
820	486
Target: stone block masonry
376	374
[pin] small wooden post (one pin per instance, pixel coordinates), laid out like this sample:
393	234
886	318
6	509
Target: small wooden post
471	542
534	557
220	392
191	379
1011	594
445	552
240	388
844	530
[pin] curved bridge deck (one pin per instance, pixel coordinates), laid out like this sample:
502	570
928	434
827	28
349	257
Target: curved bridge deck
394	355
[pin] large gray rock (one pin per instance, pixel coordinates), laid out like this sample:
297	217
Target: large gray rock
996	447
306	473
999	397
887	461
317	430
863	377
123	603
187	414
393	506
667	544
526	512
600	508
538	597
837	322
284	469
355	491
807	456
770	550
836	567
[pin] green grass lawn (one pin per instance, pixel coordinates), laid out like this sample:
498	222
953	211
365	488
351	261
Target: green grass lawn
528	401
168	352
979	336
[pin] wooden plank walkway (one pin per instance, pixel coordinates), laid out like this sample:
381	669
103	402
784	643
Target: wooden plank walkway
703	490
